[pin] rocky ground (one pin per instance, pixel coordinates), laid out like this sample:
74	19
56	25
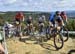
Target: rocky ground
17	47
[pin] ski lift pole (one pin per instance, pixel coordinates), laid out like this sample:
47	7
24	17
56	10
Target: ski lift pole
5	46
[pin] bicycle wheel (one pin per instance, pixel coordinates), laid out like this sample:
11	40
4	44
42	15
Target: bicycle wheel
48	36
65	34
58	41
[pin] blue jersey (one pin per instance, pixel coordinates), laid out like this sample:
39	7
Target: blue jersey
51	18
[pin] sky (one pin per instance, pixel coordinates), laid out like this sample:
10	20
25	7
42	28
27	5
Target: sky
37	5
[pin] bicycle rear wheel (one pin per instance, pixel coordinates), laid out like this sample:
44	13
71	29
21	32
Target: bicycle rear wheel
58	41
65	34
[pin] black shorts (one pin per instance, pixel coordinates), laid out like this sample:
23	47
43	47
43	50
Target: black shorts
40	22
29	22
58	20
17	21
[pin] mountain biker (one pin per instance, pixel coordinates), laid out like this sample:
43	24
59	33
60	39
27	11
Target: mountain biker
64	17
29	24
51	23
29	21
41	23
19	18
58	20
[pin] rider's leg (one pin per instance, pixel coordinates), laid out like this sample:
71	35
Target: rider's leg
31	27
51	27
28	29
18	29
41	25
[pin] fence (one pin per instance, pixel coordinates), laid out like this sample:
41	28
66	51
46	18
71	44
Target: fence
5	45
70	32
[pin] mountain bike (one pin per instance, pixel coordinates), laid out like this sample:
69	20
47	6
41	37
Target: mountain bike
57	36
65	33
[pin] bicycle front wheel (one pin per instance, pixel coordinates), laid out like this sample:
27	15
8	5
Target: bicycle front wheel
58	41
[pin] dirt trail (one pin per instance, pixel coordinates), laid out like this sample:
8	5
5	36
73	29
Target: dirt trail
17	47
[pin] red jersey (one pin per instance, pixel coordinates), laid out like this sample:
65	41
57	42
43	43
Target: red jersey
19	16
64	17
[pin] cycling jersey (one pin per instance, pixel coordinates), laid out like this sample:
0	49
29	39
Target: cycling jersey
19	17
40	20
51	18
58	19
64	17
29	21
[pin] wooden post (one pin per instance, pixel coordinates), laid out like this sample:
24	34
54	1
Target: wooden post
6	52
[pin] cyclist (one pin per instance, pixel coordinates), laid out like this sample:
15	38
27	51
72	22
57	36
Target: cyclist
19	18
64	17
29	24
55	20
41	23
51	23
58	20
29	21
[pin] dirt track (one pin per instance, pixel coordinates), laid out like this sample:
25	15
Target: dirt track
17	47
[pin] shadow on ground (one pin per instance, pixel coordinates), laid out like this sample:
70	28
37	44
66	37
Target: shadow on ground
48	46
71	51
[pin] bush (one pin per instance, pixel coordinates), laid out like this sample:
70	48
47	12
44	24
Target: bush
71	25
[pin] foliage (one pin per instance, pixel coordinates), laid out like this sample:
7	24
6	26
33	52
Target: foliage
9	16
71	24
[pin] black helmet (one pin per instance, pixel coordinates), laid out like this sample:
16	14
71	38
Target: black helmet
57	12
